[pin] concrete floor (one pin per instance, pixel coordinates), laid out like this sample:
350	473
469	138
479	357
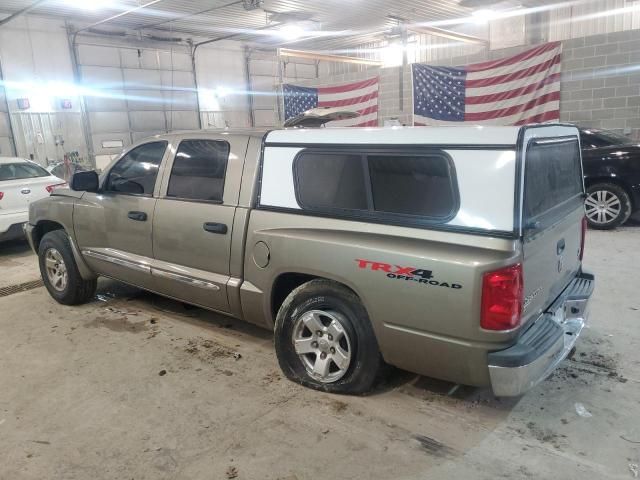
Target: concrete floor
134	386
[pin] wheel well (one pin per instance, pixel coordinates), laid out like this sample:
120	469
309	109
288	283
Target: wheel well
616	181
42	228
288	282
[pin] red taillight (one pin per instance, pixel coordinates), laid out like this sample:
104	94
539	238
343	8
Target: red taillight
502	298
51	188
583	235
1	195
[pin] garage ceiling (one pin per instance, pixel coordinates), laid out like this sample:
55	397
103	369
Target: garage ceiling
360	22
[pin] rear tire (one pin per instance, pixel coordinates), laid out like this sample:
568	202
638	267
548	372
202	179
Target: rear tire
60	273
324	339
607	206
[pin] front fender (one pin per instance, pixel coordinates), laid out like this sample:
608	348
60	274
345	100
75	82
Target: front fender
53	213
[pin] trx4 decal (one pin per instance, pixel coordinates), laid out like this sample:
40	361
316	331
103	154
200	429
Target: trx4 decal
398	272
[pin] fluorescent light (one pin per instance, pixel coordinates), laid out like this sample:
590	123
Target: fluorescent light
392	55
483	15
221	92
87	4
291	32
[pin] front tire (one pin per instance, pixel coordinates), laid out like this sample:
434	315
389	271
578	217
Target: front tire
607	206
324	339
60	273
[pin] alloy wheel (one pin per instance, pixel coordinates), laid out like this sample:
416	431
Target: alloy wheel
322	344
56	269
602	207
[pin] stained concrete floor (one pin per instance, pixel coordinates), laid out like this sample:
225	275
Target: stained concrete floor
134	386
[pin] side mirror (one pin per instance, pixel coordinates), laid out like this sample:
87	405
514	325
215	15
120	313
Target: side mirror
85	182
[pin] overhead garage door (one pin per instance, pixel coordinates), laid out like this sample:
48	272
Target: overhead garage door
135	92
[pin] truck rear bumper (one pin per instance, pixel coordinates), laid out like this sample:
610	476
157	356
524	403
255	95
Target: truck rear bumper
545	344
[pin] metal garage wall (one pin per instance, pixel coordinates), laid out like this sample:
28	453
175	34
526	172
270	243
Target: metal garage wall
37	66
222	85
591	18
132	92
7	148
266	74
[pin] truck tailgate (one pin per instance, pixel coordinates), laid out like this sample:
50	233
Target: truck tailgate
553	216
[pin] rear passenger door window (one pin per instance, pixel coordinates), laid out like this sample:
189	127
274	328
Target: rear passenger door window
199	170
419	187
136	172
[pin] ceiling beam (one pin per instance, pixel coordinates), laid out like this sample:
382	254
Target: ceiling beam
287	52
450	34
177	19
21	12
121	14
236	35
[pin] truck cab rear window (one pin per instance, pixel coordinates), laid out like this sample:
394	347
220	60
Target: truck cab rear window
419	185
553	175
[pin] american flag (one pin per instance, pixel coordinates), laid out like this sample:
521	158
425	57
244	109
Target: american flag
359	96
517	90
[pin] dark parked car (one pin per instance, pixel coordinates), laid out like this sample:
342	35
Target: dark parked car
612	177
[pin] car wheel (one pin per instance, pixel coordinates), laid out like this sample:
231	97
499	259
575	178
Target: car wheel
60	273
607	206
324	339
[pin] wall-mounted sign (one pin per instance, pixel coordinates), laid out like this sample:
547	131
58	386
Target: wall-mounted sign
65	104
23	103
112	144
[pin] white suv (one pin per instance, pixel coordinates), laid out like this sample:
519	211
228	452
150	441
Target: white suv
21	182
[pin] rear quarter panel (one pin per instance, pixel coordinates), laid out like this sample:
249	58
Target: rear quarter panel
429	327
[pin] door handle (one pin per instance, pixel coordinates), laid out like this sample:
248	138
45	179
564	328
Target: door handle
560	246
138	216
213	227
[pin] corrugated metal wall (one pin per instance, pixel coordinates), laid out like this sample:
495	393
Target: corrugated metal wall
580	20
6	142
592	18
264	77
265	72
36	66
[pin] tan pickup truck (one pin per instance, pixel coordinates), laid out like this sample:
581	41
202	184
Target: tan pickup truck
453	252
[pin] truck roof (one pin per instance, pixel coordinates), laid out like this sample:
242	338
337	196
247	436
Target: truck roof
439	135
454	135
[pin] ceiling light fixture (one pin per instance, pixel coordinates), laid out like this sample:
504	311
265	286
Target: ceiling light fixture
291	32
87	4
483	15
221	91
